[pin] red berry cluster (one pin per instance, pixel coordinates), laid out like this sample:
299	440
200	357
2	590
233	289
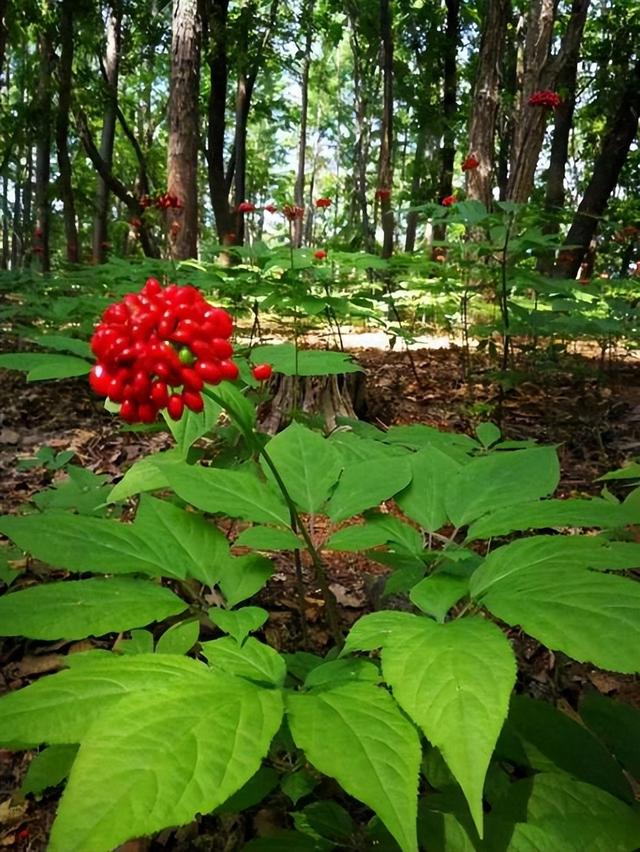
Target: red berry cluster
383	193
320	254
448	201
156	349
293	213
162	202
246	207
545	98
471	162
323	203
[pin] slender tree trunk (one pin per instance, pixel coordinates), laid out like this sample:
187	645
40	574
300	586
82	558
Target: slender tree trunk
43	152
17	233
3	37
617	141
111	68
6	224
416	181
215	22
362	143
449	106
65	69
184	129
27	195
298	193
486	100
385	166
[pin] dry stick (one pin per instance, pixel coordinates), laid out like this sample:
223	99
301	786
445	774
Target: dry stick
394	309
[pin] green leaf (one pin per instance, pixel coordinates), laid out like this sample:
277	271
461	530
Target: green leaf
240	409
41	366
239	494
454	680
252	793
488	434
617	725
80	543
543	584
191	426
298	785
287	841
243	576
629	471
58	709
423	500
437	593
141	642
239	623
366	484
554	811
252	660
334	672
376	530
80	608
356	734
179	638
11	563
551	741
325	819
376	629
211	756
184	540
269	538
501	479
300	663
573	512
144	475
308	464
310	362
48	769
61	343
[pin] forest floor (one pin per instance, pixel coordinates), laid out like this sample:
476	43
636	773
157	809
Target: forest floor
592	416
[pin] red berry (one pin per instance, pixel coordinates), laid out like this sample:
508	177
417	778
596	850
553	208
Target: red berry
159	394
209	371
152	287
221	320
229	370
146	412
193	401
129	411
100	379
262	372
191	379
221	348
175	406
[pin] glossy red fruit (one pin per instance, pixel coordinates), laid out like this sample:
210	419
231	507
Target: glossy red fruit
152	287
115	390
262	372
193	401
129	411
99	379
159	394
221	320
209	371
191	379
221	348
175	406
146	412
229	370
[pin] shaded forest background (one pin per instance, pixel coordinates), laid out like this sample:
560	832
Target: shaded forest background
140	127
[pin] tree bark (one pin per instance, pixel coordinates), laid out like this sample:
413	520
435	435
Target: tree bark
449	106
65	68
298	193
617	141
43	152
111	67
184	129
215	28
385	165
484	113
360	88
416	181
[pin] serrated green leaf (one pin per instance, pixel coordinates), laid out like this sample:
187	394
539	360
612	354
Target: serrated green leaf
179	638
59	708
243	576
551	741
333	672
252	793
48	769
308	464
617	725
298	785
192	426
235	402
366	484
500	479
326	819
144	475
542	584
239	623
356	734
423	500
81	608
376	629
252	660
454	680
437	593
375	531
309	362
124	757
542	514
269	538
238	494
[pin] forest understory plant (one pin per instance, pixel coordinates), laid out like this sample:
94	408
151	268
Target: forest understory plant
419	714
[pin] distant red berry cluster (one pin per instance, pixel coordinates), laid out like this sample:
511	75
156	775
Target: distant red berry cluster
292	212
471	162
156	349
383	193
320	254
448	201
246	207
323	203
163	202
545	98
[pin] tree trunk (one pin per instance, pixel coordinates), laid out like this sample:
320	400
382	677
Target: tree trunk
6	224
449	107
65	68
17	233
416	181
486	100
184	129
3	38
27	195
606	171
111	68
298	193
43	152
385	166
362	139
215	24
